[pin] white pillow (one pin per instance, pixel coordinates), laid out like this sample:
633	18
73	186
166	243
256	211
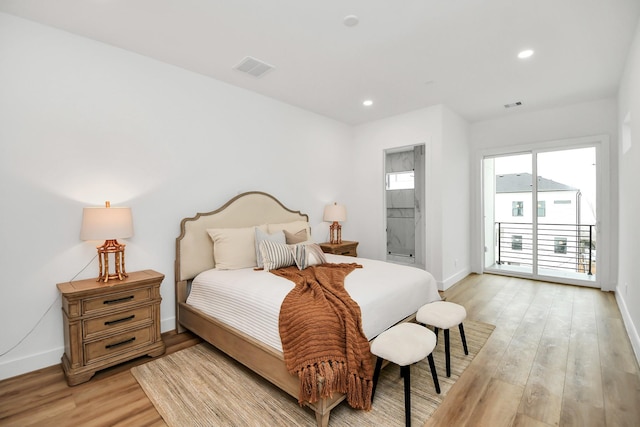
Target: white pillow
306	255
233	248
275	255
261	236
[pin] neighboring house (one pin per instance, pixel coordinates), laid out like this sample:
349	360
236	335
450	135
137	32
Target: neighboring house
563	236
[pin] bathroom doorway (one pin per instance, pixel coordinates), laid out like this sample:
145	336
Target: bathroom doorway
404	204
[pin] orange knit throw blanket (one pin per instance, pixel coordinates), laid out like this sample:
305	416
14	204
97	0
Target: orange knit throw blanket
322	337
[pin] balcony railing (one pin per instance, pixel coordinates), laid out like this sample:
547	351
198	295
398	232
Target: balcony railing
560	246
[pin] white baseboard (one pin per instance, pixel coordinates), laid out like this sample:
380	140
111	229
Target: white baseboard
632	331
168	324
25	364
34	362
29	363
452	280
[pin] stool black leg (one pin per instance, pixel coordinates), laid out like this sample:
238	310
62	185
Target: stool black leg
407	394
376	374
447	352
435	331
464	340
434	374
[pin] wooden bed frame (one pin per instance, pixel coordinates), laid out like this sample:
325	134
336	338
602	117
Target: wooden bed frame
194	254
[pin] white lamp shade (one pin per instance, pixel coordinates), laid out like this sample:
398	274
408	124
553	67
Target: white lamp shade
106	223
335	212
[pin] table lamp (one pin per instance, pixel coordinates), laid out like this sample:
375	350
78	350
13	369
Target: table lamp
335	213
110	224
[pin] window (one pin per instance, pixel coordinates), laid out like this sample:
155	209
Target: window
542	208
516	243
560	245
517	208
400	180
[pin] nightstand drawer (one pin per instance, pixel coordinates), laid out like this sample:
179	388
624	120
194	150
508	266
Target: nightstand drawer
121	343
347	252
129	319
115	300
348	248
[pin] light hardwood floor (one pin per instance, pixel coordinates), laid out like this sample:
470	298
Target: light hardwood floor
559	356
111	398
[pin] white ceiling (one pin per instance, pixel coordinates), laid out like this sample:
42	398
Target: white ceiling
403	54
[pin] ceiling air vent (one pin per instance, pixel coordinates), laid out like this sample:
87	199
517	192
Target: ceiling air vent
253	66
513	104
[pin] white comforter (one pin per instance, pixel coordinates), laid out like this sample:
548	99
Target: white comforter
250	300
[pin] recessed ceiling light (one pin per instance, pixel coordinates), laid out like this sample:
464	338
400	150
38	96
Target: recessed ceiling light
367	103
525	54
351	20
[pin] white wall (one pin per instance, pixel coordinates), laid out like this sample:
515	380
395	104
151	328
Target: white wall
566	122
371	139
82	122
582	122
444	134
455	182
628	290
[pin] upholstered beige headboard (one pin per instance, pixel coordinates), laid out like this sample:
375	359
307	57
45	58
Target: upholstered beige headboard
194	248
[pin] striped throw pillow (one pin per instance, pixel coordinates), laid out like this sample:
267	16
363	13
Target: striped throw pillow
277	237
275	255
306	255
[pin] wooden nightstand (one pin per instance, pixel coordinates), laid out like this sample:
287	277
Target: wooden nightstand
345	248
109	323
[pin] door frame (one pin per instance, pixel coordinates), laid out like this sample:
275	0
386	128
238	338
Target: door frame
605	206
420	255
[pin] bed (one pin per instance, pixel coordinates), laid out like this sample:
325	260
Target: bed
248	333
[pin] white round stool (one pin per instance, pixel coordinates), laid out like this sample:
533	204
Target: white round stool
404	345
444	315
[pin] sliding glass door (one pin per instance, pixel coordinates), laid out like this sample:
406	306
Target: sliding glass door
508	201
566	219
540	214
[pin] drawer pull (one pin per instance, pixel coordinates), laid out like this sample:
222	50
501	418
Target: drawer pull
110	346
115	322
118	300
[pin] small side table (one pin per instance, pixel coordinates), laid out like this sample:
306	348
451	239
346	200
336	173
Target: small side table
347	248
109	323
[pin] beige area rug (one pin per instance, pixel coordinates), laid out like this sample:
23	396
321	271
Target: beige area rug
200	386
